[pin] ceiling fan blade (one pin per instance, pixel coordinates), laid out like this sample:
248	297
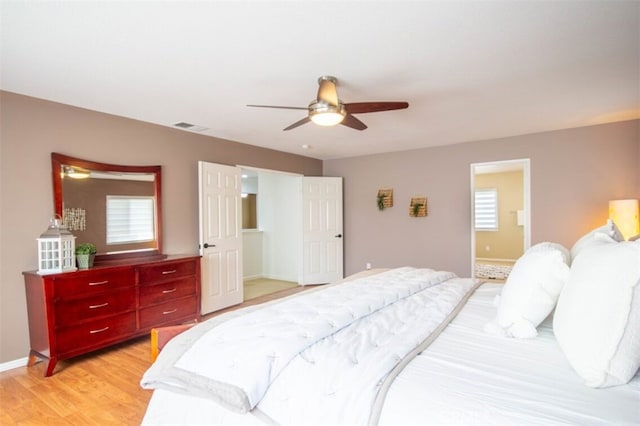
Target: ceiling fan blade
354	123
363	107
298	123
277	106
327	91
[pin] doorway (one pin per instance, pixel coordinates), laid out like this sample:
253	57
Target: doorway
272	230
302	231
500	217
294	229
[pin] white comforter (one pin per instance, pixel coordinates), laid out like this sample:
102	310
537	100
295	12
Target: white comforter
320	356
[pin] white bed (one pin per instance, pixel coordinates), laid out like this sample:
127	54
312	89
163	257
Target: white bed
469	377
560	345
465	376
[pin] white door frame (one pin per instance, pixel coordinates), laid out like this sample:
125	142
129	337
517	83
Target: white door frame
523	164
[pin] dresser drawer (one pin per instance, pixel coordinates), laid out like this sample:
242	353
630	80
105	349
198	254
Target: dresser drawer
97	282
96	333
150	274
80	310
173	311
167	291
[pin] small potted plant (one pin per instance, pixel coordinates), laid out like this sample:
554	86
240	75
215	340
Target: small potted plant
416	209
85	253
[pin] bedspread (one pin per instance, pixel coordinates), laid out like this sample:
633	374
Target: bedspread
326	352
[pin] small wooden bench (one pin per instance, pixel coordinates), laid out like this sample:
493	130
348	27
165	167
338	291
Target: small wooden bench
161	335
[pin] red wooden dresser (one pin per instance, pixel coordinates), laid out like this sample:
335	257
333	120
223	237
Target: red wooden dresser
78	312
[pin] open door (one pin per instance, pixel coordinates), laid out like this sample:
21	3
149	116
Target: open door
322	230
220	235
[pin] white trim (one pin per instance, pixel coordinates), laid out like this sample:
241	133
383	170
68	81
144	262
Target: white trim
252	277
281	278
16	363
259	169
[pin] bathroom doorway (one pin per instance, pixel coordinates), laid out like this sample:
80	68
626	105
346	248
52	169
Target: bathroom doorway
500	217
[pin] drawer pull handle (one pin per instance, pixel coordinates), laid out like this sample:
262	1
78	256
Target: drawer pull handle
169	291
173	271
169	312
102	305
100	282
99	331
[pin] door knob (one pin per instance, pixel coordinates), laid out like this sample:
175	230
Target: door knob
207	245
339	236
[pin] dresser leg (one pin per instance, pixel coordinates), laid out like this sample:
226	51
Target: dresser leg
51	366
34	357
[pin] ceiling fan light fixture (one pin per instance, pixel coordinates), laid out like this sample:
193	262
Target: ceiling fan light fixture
328	110
324	114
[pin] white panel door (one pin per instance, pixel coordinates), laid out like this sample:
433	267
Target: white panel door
322	230
220	235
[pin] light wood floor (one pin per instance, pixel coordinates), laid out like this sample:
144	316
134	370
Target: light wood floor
101	388
260	287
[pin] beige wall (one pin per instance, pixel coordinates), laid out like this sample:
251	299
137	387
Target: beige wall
31	129
573	175
508	241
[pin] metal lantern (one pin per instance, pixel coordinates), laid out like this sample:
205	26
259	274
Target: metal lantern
56	249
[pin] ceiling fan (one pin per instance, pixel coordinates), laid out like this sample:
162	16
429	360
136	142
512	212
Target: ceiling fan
328	110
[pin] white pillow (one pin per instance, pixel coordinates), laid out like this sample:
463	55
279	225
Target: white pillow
531	291
597	320
610	229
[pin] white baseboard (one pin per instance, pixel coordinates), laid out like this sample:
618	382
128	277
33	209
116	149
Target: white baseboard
252	277
16	363
280	278
269	277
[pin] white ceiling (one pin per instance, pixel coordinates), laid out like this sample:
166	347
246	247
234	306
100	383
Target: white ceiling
470	70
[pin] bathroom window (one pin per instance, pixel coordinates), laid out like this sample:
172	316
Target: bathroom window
486	209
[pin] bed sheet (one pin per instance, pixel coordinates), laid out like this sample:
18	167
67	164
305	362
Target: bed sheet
465	377
470	377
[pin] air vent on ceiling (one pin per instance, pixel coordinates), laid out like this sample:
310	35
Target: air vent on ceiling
189	126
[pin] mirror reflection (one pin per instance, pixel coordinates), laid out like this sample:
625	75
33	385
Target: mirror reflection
114	207
249	199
